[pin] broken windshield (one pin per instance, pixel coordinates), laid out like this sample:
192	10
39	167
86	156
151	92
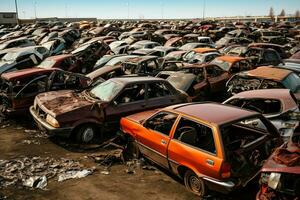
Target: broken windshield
106	91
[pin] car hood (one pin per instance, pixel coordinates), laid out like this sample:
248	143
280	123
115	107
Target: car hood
4	66
60	102
285	159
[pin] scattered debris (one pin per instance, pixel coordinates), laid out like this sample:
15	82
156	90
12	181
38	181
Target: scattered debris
34	172
36	133
74	174
31	142
5	125
36	182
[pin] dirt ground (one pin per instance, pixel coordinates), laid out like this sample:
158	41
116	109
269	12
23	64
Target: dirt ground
143	184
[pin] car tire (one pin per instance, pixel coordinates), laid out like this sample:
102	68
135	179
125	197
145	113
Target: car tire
194	184
85	134
133	149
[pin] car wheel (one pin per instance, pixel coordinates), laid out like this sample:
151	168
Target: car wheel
133	149
85	134
194	184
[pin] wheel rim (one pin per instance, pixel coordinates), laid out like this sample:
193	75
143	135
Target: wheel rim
195	184
88	135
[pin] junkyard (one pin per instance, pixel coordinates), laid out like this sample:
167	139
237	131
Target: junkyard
163	108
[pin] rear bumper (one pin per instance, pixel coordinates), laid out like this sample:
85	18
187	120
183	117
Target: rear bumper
220	186
52	131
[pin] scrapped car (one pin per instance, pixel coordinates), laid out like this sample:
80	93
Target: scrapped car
257	56
21	58
200	55
280	106
264	78
198	143
200	82
280	174
105	59
191	46
142	65
232	64
66	62
19	42
18	89
55	46
86	114
175	55
88	54
143	44
279	48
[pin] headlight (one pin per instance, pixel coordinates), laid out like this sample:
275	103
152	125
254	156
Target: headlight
274	180
52	121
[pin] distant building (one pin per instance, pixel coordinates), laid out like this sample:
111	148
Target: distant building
8	18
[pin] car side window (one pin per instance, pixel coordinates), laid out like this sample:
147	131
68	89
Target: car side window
161	122
157	90
37	86
213	71
195	134
131	93
270	56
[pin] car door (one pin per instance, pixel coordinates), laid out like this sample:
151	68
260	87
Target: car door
159	94
216	77
25	96
131	99
155	136
195	146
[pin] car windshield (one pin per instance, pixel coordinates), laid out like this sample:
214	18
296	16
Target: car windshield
46	64
10	56
292	82
118	60
48	45
181	81
223	64
106	91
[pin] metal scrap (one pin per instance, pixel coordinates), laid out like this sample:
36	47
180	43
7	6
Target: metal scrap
74	174
35	171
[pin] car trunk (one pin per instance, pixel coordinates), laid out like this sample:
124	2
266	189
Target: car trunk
246	149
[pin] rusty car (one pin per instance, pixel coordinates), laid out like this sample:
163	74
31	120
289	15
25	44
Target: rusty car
85	115
280	174
264	78
18	89
280	106
232	64
198	143
200	82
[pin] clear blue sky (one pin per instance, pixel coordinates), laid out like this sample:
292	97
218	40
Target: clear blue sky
147	9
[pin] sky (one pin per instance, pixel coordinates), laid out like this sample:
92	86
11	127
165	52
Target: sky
150	9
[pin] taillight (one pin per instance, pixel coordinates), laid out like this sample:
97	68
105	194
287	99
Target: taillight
225	170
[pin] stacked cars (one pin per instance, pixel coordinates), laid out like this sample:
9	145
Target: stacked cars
84	81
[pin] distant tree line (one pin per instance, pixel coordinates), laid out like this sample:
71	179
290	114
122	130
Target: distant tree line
281	14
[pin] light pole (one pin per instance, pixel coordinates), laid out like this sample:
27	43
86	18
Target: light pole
35	9
204	2
17	17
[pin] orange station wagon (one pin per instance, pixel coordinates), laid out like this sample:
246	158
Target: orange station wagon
209	145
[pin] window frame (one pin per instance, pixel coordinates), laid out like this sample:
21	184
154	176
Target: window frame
203	124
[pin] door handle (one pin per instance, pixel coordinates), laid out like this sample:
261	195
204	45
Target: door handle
210	162
163	142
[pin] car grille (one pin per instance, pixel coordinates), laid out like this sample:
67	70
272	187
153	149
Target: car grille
40	112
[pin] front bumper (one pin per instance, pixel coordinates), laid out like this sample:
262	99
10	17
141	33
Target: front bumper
43	125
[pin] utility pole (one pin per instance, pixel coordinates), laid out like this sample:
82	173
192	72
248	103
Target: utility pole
17	16
204	2
127	9
35	10
162	10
